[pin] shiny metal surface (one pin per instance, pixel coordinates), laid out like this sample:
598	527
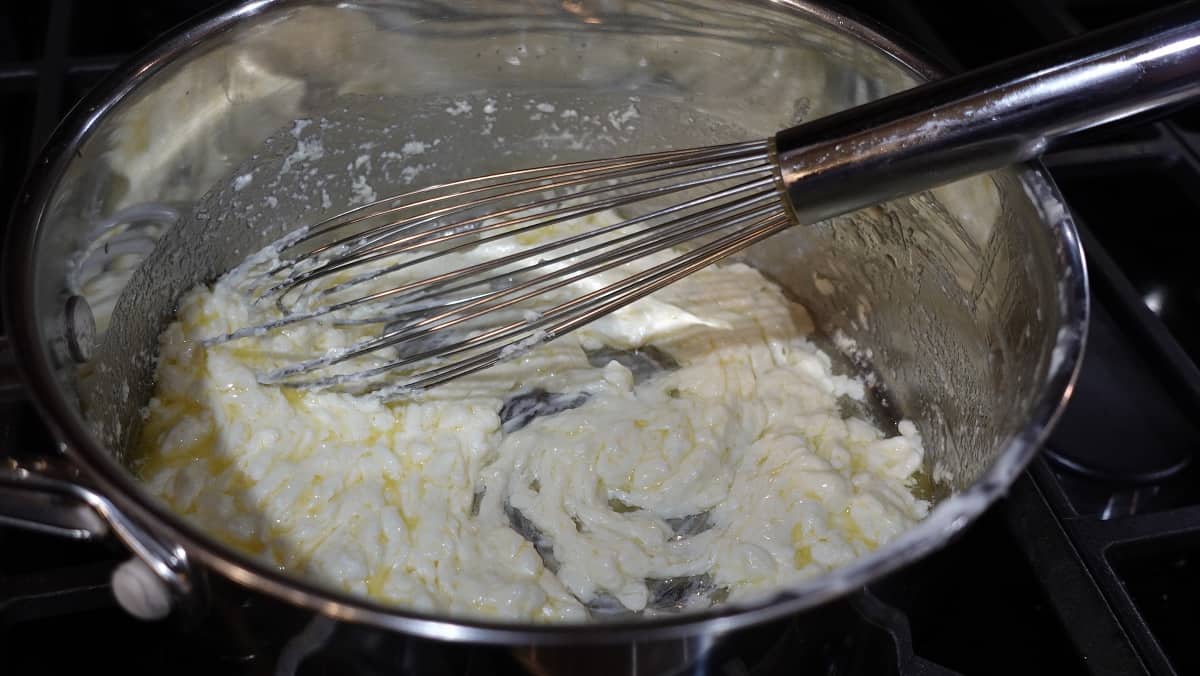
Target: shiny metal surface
968	303
493	310
1001	115
448	324
47	495
33	501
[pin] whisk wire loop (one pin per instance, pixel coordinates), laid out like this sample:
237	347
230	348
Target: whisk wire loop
466	274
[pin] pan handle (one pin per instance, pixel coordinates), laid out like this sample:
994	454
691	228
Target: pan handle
149	585
34	501
43	492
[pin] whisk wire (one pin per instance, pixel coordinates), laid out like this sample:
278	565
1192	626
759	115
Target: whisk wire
436	281
698	204
662	236
649	282
567	175
613	296
555	244
469	227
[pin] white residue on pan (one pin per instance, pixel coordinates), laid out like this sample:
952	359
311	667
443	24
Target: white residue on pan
369	166
619	118
460	107
541	109
581	131
860	357
399	167
363	193
242	181
489	116
561	139
328	164
850	348
308	150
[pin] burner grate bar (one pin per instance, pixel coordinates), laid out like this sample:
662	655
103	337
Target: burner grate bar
51	73
1086	613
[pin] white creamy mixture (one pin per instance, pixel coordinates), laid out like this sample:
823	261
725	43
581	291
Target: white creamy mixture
728	473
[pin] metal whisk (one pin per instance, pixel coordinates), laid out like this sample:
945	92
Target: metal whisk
685	208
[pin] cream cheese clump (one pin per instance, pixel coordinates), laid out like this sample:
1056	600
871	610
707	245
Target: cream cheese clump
728	474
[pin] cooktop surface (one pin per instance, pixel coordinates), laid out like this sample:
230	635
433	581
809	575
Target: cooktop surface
1091	565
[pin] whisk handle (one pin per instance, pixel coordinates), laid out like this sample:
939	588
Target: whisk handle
981	120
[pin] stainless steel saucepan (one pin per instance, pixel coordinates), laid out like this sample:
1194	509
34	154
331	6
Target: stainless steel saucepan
968	303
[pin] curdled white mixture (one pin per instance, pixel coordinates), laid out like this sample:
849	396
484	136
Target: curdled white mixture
727	471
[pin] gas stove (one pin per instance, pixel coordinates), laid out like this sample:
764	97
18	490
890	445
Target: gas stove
1091	564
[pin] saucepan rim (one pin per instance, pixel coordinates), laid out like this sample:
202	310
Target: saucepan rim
117	484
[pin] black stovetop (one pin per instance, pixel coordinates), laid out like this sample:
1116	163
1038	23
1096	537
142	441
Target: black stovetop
1090	565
